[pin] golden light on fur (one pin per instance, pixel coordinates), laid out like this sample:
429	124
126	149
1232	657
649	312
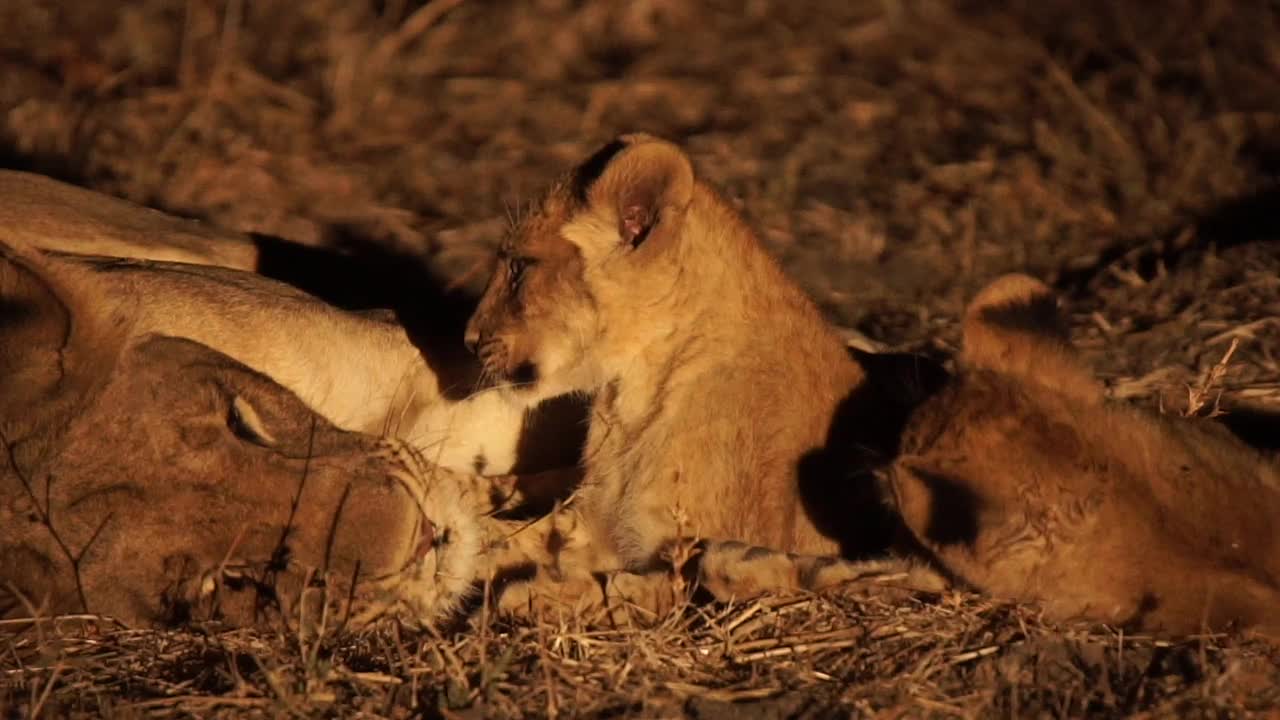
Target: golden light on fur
718	387
1021	481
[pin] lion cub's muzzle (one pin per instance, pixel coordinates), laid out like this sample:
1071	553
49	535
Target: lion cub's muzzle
498	363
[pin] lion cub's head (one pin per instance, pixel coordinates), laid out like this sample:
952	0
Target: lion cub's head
598	253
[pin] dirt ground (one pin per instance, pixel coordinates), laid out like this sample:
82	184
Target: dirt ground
894	154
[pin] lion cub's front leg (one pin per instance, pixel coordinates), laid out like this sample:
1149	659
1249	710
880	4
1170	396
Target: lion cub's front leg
556	564
553	566
540	555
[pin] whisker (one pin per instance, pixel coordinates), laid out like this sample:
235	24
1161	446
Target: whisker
512	214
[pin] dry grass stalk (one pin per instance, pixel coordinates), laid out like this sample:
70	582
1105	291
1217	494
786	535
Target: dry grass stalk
1198	396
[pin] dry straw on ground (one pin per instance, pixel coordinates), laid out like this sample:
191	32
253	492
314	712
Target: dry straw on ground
894	154
859	650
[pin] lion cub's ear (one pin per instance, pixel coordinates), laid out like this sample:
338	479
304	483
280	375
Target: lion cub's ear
1013	326
646	184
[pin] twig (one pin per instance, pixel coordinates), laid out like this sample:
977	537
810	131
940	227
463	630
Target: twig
1197	397
48	688
418	23
722	695
975	654
798	649
46	518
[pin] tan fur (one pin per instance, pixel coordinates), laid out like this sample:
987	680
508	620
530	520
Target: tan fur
718	387
556	566
37	211
1023	482
154	479
360	372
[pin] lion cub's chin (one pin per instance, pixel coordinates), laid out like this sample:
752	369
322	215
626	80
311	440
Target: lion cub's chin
537	387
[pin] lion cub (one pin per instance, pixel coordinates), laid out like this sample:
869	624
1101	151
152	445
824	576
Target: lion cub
724	406
1021	480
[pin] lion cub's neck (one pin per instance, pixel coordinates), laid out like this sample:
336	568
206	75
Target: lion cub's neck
718	306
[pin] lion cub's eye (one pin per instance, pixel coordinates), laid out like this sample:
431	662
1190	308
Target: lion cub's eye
516	268
244	423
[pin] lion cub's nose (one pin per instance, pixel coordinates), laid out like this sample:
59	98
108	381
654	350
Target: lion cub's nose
471	339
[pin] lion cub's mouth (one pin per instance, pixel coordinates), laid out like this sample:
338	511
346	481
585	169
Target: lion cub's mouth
523	375
499	371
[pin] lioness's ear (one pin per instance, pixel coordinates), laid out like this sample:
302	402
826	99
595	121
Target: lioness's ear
1014	326
40	327
646	182
34	322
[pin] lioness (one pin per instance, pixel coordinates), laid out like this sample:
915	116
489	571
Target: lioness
720	392
359	371
154	479
1022	481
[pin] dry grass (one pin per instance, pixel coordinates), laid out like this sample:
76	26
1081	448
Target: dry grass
894	153
853	651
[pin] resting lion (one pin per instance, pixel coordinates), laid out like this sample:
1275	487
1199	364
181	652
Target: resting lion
1024	482
360	372
154	479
